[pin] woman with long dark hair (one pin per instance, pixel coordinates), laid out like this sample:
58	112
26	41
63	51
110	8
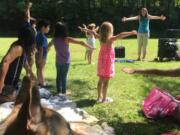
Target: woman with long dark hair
12	63
143	31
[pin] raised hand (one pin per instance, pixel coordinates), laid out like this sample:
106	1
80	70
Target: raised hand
123	19
163	17
29	4
84	26
81	29
97	28
134	32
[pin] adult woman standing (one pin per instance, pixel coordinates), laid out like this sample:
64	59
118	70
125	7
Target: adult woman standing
143	31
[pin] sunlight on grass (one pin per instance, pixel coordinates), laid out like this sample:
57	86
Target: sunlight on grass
128	91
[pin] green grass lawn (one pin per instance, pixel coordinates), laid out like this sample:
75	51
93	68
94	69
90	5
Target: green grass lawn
128	91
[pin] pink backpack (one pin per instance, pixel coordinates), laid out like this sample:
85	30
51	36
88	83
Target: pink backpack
159	104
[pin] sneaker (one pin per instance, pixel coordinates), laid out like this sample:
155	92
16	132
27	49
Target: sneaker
62	96
99	100
45	85
107	100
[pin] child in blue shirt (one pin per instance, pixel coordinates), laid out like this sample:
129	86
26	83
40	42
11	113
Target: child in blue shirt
41	46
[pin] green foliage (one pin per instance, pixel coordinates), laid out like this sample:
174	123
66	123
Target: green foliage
77	12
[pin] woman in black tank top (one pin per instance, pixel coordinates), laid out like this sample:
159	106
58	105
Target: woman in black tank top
12	63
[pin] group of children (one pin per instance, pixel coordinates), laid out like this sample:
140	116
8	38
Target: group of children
61	42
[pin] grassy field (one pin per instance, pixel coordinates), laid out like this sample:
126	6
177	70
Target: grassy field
128	91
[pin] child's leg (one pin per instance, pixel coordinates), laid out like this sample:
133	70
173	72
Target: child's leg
86	54
90	56
58	78
99	88
65	69
38	71
144	47
139	45
41	73
105	87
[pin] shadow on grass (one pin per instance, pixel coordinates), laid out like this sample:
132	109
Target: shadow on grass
85	103
151	127
78	64
80	87
169	84
148	128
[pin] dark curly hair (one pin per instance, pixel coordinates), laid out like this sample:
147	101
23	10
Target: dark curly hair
26	38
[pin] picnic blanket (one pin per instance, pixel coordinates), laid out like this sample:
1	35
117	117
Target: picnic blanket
78	118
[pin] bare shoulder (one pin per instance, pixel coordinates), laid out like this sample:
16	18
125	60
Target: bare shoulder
16	49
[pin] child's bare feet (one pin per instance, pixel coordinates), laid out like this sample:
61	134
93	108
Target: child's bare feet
128	70
138	59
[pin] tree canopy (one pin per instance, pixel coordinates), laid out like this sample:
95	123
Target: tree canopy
77	12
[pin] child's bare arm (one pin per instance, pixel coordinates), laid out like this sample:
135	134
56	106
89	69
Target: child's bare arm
123	35
75	41
11	55
125	19
157	17
89	31
27	12
96	29
168	73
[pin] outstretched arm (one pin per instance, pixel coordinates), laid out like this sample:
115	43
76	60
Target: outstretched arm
168	73
74	41
123	35
89	31
27	14
11	55
83	30
96	29
125	19
157	17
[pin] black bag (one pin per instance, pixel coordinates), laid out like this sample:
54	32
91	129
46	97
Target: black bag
167	48
120	52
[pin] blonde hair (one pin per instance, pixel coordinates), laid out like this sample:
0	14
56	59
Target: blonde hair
106	31
91	26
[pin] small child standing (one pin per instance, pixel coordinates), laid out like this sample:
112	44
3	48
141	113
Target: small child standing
91	40
41	54
105	69
61	43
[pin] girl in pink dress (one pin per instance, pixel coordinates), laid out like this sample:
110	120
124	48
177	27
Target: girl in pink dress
106	58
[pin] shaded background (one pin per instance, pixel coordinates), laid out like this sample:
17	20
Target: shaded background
77	12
